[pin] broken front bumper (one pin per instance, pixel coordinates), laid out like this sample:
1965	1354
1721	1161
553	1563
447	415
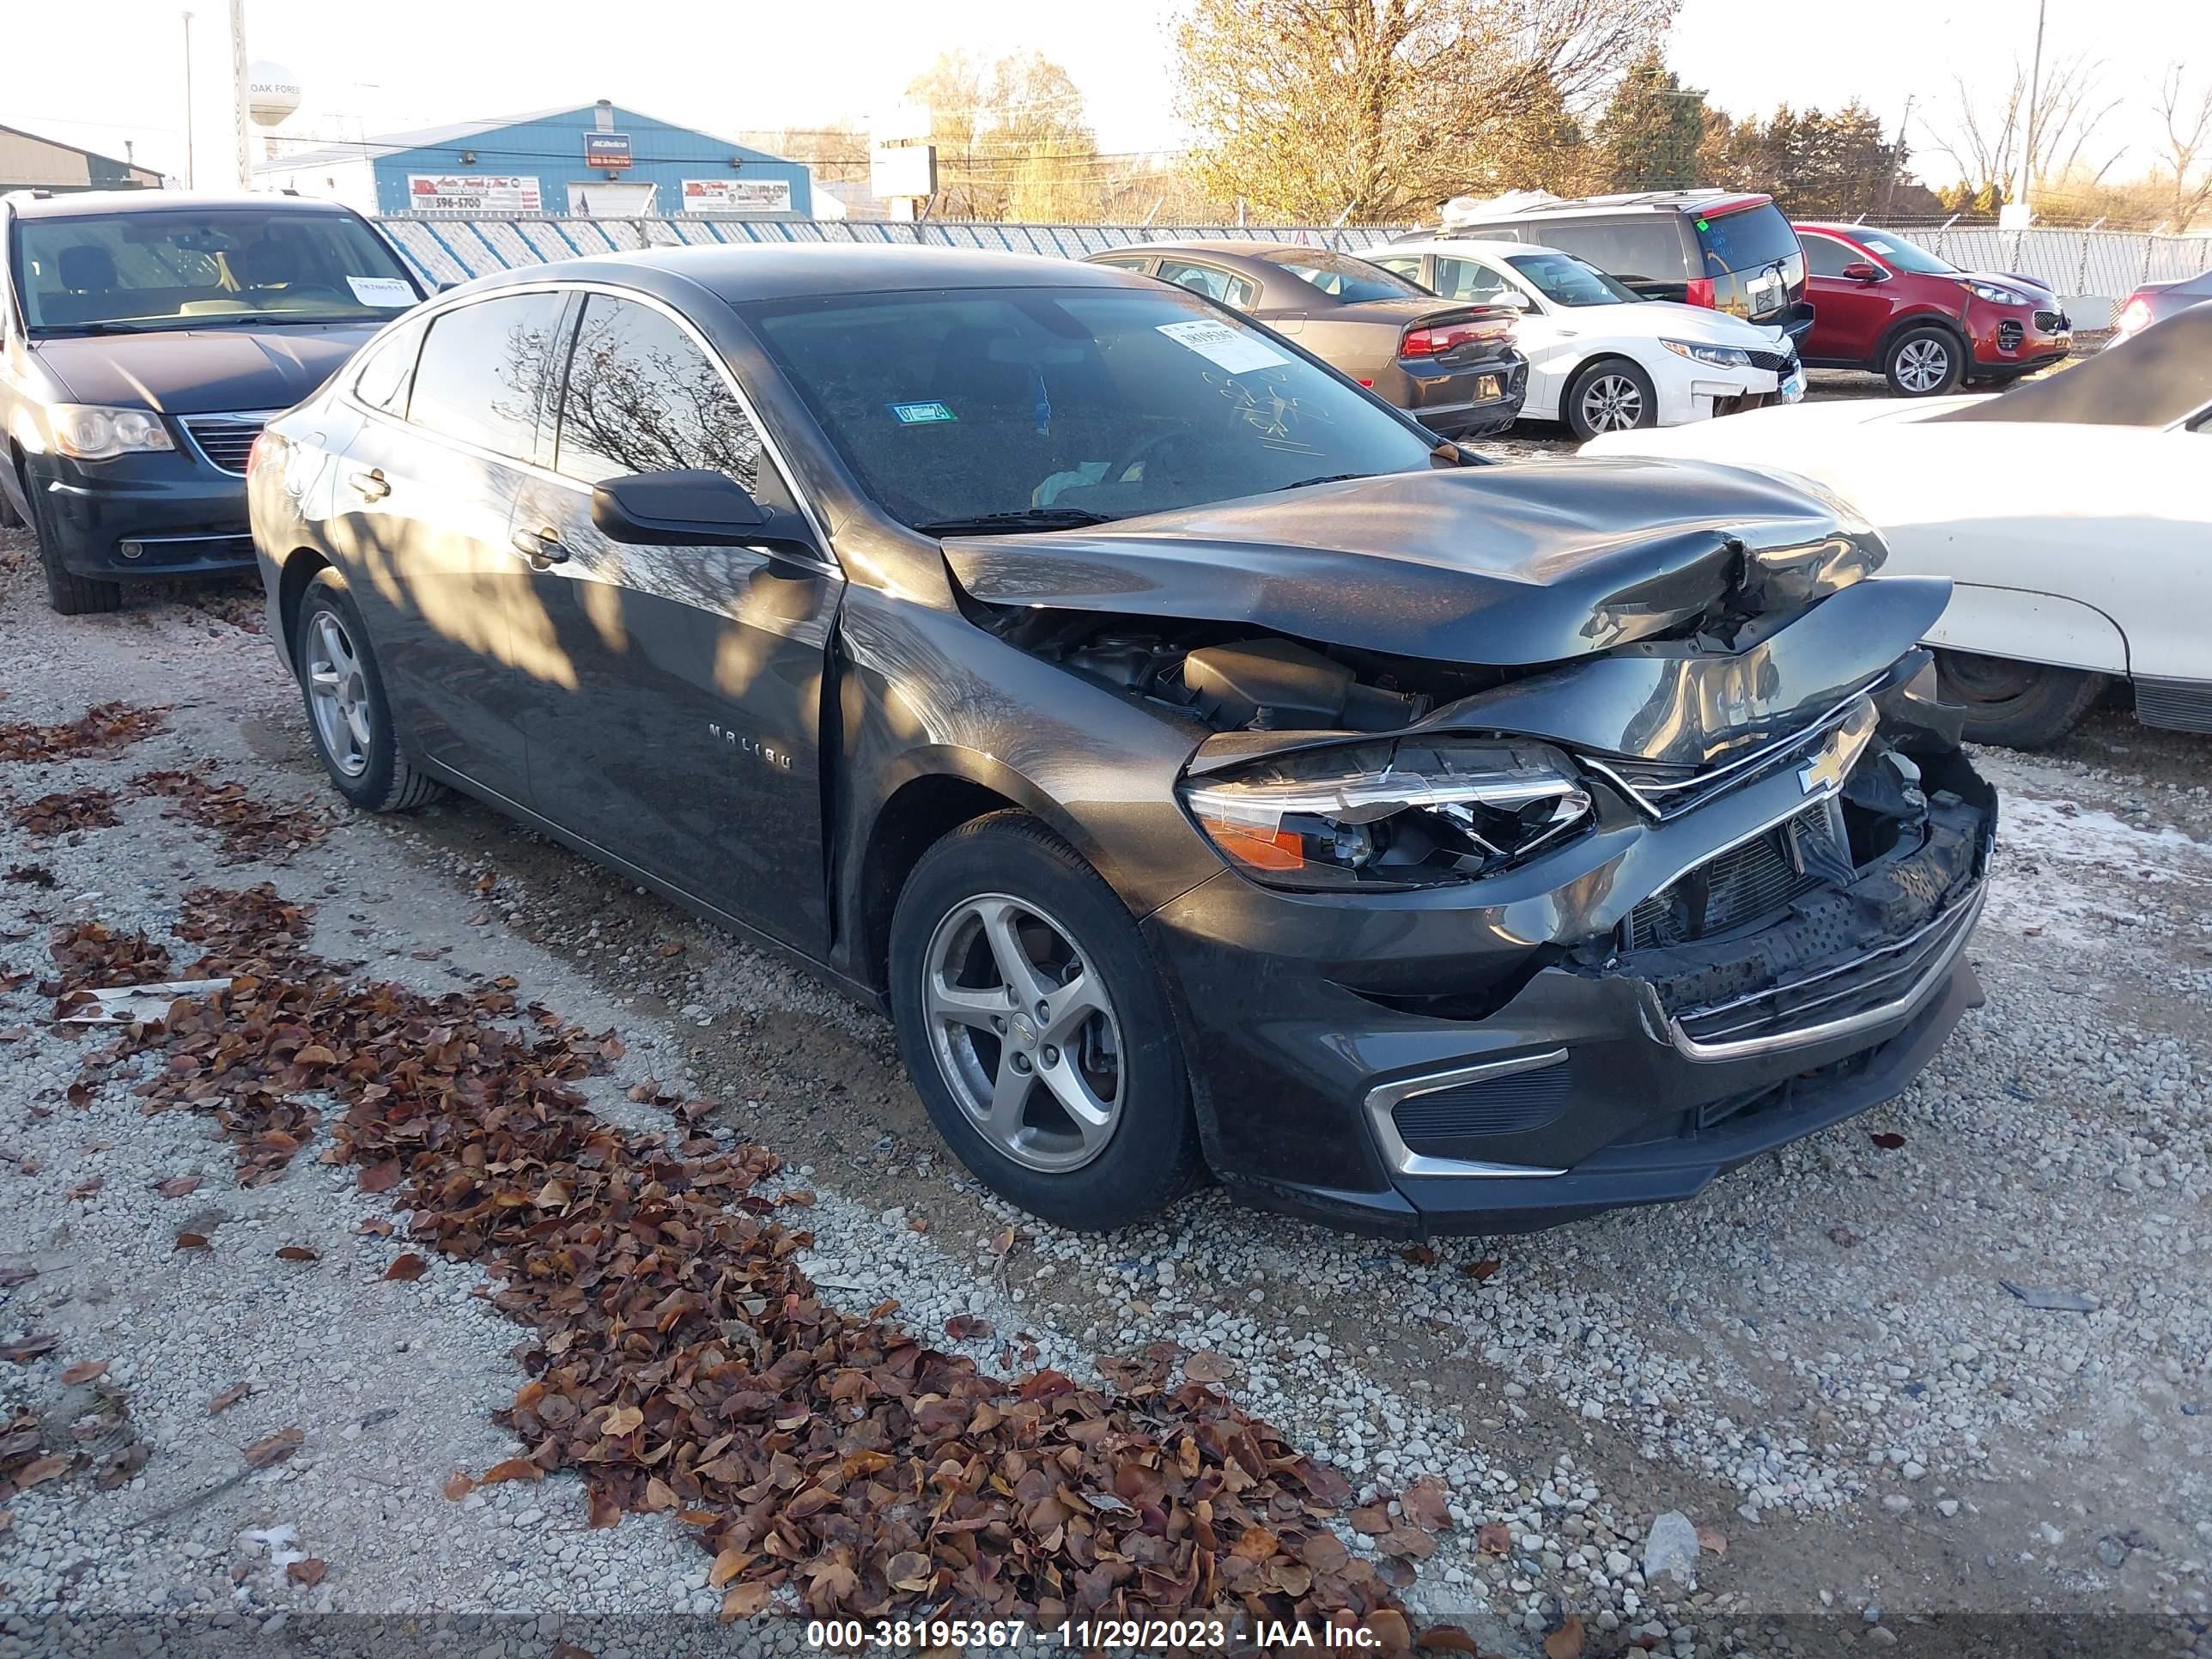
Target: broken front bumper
1544	1083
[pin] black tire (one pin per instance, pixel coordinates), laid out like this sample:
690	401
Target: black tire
2018	705
1589	386
1151	1155
71	595
384	782
1924	362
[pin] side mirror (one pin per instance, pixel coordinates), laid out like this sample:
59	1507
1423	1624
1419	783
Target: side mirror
1860	272
688	507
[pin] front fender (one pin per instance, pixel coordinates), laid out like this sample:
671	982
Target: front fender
2023	626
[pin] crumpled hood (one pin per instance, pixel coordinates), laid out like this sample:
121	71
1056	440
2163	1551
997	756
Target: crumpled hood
193	372
1501	566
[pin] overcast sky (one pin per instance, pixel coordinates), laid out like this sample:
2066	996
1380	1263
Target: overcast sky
100	72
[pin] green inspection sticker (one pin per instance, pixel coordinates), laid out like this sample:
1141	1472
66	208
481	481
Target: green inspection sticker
920	414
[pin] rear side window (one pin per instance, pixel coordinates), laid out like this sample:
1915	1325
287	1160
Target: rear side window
1134	262
1648	247
1746	239
1466	279
386	368
1211	281
1826	257
641	397
484	371
1349	280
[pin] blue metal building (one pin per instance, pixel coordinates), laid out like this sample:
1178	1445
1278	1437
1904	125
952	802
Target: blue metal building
595	161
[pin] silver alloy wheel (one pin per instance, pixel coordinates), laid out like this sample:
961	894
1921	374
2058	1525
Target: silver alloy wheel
339	693
1923	364
1612	403
1023	1032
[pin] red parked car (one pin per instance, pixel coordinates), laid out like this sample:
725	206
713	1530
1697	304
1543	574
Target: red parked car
1885	304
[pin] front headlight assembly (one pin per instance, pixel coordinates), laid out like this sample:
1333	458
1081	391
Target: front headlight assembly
1405	814
1718	356
85	433
1996	296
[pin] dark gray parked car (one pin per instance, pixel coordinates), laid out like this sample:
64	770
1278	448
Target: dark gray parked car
2153	302
1452	365
1205	766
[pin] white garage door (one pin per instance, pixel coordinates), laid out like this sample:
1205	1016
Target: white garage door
593	200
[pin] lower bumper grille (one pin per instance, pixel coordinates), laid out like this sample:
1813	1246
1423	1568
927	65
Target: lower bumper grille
1744	884
2010	335
1434	1123
1775	363
1865	990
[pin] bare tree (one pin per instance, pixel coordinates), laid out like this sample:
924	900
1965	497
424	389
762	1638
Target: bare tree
1376	109
2188	138
1986	137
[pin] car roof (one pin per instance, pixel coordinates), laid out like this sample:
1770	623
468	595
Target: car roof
738	275
1481	248
1656	201
1229	249
105	203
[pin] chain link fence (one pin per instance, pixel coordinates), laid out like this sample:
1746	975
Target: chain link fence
2094	269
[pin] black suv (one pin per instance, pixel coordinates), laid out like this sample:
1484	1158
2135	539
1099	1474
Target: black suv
145	337
1724	249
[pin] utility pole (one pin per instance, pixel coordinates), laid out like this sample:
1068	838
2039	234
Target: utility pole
238	96
1896	156
188	101
2035	92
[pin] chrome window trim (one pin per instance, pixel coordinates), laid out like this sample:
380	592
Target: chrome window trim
1903	1007
428	315
1383	1099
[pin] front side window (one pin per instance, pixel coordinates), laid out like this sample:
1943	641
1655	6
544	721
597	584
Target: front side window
150	268
641	397
1209	280
1087	403
485	370
1567	281
1826	257
1901	255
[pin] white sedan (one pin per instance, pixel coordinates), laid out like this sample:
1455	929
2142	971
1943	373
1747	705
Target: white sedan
1602	358
2071	513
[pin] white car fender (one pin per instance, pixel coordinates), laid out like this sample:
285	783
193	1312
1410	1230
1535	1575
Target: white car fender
2023	626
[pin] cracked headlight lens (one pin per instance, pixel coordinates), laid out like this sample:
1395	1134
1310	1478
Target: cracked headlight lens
1405	814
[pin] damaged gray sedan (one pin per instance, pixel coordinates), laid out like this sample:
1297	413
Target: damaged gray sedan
1206	770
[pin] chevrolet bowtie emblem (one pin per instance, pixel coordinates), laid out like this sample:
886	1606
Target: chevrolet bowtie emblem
1824	771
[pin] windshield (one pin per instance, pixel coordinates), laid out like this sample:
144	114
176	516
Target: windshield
154	268
1349	280
1069	406
1906	256
1746	239
1567	281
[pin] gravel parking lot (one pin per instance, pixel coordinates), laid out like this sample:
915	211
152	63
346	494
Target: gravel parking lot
1950	1362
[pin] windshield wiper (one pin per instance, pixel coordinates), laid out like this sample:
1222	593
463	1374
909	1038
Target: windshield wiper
1326	477
1027	518
49	330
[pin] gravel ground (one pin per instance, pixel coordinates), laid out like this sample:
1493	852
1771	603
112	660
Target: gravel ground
1819	1362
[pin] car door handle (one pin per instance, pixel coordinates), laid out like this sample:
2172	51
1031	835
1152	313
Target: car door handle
371	486
541	547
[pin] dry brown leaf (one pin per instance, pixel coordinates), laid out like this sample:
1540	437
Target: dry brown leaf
627	1420
743	1601
1207	1367
1447	1638
297	1253
84	1371
309	1572
1494	1538
909	1571
262	1454
178	1186
458	1484
1003	1242
1392	1634
192	1242
967	1327
1427	1503
407	1267
1713	1540
1565	1642
1255	1544
230	1397
512	1468
41	1469
1479	1270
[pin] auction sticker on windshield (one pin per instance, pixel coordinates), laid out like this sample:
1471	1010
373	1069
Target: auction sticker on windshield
920	414
388	293
1219	343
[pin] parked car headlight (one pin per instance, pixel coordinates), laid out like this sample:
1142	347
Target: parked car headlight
1998	296
84	432
1718	356
1405	814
